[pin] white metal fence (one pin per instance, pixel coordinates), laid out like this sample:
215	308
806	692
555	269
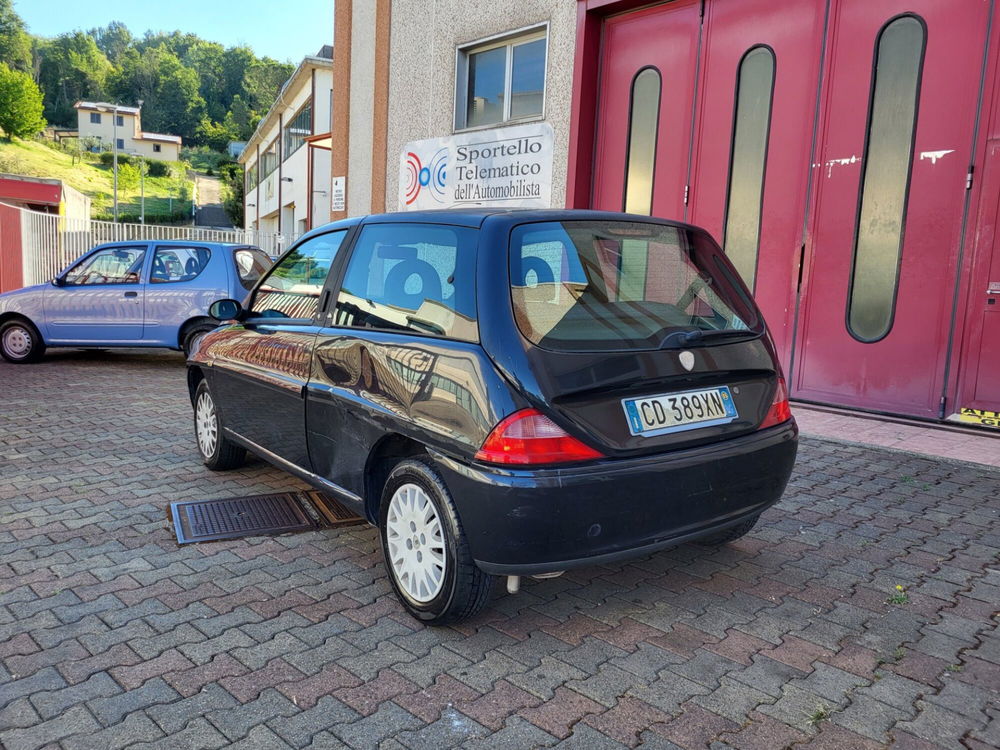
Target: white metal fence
49	243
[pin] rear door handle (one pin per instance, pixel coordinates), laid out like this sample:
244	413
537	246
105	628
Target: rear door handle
131	294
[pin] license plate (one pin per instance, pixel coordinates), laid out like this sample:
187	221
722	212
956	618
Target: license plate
676	412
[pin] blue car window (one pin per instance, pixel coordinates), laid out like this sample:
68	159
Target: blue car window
293	285
173	264
112	265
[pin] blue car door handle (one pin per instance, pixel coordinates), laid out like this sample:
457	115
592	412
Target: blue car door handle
131	294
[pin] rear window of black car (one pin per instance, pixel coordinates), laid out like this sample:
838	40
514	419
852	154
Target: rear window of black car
600	285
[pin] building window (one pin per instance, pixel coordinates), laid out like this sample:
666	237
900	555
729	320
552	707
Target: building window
95	118
269	160
120	143
892	121
251	177
297	129
751	125
120	121
644	117
501	80
156	148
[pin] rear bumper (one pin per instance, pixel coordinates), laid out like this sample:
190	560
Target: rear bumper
521	522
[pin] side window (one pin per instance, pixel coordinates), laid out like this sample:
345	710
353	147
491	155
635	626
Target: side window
172	264
415	277
251	264
113	265
293	286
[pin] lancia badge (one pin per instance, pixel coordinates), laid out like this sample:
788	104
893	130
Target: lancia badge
687	360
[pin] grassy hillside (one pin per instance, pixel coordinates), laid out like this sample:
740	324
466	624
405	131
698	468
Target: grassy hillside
86	174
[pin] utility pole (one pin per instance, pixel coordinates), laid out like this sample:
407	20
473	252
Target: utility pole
114	158
142	189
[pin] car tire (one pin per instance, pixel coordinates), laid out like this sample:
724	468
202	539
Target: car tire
20	342
217	451
193	334
731	534
425	549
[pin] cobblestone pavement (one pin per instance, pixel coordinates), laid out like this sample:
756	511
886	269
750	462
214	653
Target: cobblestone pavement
111	636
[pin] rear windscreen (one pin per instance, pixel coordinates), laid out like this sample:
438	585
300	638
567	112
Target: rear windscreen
599	285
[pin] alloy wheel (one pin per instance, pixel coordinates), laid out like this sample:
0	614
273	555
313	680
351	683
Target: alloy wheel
207	426
415	539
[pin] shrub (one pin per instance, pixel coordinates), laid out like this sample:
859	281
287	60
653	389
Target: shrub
108	158
158	169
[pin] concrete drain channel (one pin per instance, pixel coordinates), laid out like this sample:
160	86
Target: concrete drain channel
257	515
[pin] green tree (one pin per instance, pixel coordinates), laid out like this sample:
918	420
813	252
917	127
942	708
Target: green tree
15	44
20	104
233	192
128	178
72	68
244	121
113	40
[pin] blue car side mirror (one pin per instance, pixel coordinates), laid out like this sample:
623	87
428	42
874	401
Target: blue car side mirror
226	309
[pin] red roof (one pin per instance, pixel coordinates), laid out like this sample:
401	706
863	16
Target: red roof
30	189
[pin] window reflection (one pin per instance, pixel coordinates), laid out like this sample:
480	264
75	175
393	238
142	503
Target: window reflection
644	116
293	287
752	121
888	156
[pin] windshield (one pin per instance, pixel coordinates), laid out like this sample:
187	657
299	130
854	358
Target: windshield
600	285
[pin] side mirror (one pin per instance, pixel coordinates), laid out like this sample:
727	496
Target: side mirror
59	281
226	309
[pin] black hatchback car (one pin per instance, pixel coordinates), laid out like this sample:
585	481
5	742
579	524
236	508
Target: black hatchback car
505	392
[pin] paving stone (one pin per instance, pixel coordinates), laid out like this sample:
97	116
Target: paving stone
734	700
198	735
870	718
517	733
236	722
51	703
136	727
368	732
19	714
112	709
938	725
76	720
172	717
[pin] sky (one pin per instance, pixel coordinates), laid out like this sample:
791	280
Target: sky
286	31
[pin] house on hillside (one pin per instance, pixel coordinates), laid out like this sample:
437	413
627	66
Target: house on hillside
287	160
116	122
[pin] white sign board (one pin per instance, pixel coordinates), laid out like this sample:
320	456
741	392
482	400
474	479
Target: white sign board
509	167
338	201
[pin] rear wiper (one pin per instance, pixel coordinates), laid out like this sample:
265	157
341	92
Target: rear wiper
699	337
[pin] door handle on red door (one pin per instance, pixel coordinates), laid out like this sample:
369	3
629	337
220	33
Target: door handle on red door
131	294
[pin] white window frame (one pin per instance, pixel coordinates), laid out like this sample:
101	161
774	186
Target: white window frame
509	39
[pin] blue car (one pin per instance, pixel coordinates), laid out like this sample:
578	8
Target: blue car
151	293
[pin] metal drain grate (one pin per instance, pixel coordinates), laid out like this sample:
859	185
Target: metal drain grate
259	515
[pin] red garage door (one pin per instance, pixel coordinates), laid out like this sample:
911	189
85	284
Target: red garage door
840	203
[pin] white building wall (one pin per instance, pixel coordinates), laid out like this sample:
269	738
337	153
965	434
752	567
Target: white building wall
283	197
425	35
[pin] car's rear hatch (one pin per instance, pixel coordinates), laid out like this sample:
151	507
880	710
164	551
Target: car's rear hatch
640	336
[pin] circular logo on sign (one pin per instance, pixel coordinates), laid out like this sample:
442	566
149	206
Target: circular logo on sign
687	360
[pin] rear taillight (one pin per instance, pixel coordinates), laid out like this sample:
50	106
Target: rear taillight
529	437
780	410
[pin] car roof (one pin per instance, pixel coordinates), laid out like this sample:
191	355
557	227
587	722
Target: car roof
176	243
476	217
